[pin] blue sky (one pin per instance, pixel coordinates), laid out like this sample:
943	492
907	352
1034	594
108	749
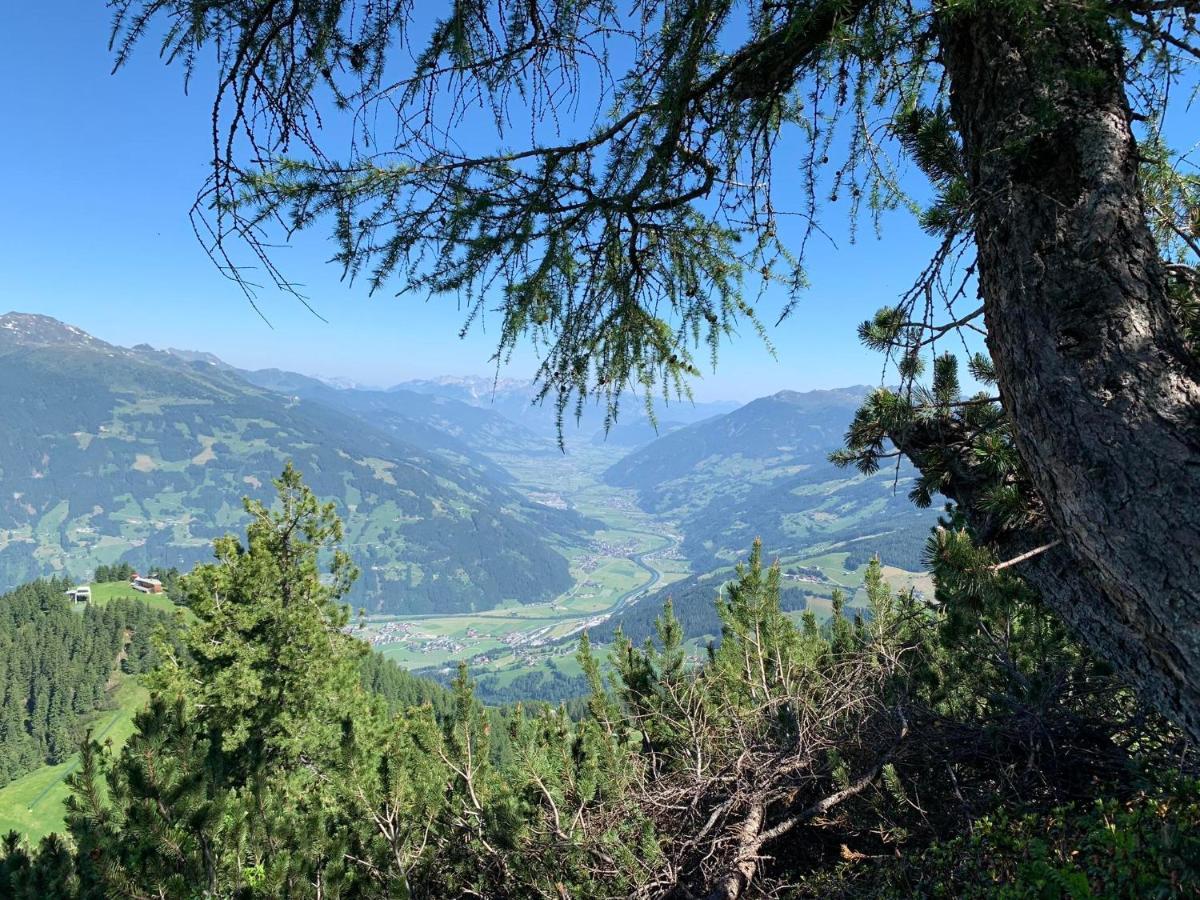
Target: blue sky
101	170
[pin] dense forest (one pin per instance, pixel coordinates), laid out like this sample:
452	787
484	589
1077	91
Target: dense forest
550	686
57	665
954	746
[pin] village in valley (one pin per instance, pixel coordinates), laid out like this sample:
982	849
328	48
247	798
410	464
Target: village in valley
635	555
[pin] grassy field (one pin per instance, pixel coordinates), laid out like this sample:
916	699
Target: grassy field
103	592
34	805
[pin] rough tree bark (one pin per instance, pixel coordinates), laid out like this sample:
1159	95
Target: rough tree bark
1104	398
1088	608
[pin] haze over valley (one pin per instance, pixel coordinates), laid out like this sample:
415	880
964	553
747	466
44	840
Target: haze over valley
476	537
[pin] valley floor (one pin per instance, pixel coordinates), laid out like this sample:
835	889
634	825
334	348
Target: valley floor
634	555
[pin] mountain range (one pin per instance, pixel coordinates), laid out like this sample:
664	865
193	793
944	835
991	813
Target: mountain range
135	454
517	401
763	471
142	455
458	431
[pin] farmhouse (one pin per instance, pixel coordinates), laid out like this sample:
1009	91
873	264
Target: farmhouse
146	585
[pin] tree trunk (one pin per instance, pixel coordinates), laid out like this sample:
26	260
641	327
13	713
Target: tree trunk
1103	396
1091	610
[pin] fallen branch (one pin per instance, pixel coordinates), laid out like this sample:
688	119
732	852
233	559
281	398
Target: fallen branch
735	881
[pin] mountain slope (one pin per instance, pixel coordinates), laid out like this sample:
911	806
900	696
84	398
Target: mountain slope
110	453
450	427
763	471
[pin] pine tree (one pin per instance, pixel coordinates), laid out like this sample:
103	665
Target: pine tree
841	632
270	673
627	246
239	764
760	648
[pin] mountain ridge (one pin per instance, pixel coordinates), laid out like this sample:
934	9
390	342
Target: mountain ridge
516	399
763	471
129	454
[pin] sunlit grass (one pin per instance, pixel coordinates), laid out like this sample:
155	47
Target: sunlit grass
34	805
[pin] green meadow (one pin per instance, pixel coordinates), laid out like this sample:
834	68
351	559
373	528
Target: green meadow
34	805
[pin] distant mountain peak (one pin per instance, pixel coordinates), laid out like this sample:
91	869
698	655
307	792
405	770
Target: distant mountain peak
343	383
198	356
856	392
476	387
35	330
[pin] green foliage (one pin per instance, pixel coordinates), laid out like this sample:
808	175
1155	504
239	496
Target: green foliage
245	728
276	758
759	644
400	689
1143	846
929	137
57	665
963	448
245	678
49	871
841	634
1172	190
116	572
692	607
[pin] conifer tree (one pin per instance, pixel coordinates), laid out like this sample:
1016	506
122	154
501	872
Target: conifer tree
759	649
841	632
239	764
631	246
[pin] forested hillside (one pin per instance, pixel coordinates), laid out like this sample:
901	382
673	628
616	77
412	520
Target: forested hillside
764	471
57	666
116	454
909	737
68	669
